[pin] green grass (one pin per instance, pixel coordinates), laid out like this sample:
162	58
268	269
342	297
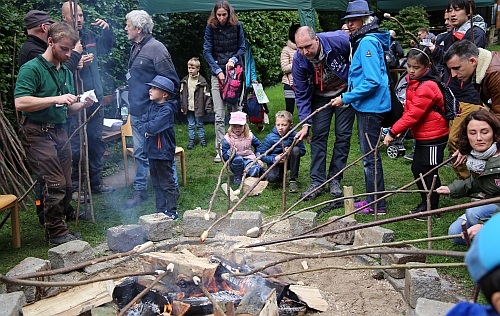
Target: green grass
202	177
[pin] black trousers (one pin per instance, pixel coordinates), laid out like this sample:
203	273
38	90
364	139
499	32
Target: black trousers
276	174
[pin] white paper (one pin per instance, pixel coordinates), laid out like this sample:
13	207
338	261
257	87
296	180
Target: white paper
112	122
259	93
89	94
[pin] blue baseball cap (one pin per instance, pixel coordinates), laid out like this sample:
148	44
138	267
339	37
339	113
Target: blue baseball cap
163	83
484	256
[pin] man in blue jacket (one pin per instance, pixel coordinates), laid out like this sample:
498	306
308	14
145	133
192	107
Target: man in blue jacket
92	44
320	69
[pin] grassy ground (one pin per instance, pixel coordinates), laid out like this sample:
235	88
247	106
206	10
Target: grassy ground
202	177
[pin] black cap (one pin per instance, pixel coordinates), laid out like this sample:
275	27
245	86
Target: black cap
35	18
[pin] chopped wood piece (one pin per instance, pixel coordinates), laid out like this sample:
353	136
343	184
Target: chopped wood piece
311	296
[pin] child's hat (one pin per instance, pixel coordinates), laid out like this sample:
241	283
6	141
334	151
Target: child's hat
238	118
483	256
163	83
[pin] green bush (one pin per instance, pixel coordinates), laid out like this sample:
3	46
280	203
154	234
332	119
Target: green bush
412	19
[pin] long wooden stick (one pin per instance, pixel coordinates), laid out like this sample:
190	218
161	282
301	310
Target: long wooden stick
379	222
219	180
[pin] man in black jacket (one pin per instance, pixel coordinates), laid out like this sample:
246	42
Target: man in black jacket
93	44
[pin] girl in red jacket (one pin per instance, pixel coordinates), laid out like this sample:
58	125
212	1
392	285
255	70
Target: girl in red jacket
428	127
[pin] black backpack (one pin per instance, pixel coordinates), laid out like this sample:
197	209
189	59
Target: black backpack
451	105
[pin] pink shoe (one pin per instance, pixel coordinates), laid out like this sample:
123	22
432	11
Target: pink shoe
360	204
370	211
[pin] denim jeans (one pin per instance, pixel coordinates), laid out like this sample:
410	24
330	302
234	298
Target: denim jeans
194	121
220	111
96	146
141	161
344	119
369	124
473	215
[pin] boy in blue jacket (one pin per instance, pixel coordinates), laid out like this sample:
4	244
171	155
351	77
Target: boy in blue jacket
160	144
283	125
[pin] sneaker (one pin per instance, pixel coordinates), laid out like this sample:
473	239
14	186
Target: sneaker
172	215
217	158
102	188
63	239
409	156
237	179
419	209
360	204
191	143
314	195
370	211
75	197
203	142
335	190
293	187
138	196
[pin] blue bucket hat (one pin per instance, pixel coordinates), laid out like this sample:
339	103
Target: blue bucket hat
163	83
357	8
483	256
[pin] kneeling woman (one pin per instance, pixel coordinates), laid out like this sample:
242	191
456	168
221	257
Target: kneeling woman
478	138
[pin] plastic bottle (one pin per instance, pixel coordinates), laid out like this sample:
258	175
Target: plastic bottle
124	112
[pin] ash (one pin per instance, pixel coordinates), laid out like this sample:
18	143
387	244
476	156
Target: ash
144	309
226	296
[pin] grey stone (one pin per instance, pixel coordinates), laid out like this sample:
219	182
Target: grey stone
427	307
194	223
108	309
302	222
72	276
373	235
346	238
125	237
242	221
12	304
388	259
70	253
98	267
28	265
422	282
157	226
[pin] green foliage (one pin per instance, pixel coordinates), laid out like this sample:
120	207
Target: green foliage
412	19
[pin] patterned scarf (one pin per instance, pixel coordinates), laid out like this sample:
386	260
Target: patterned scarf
476	160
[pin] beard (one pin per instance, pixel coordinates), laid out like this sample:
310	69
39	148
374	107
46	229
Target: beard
61	58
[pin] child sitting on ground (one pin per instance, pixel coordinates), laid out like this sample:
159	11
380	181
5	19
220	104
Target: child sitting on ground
238	136
283	125
483	263
195	101
159	146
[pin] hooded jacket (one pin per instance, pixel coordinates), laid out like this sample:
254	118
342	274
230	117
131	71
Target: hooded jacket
425	123
488	79
159	121
336	47
202	101
368	89
271	139
286	60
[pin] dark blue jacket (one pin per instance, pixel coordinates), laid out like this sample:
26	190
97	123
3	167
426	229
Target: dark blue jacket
223	43
159	121
148	59
337	50
271	139
97	45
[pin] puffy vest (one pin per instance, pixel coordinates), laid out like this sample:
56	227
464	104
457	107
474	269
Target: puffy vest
225	43
243	145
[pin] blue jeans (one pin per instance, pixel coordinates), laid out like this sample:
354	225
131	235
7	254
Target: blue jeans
344	119
370	123
141	161
194	121
473	215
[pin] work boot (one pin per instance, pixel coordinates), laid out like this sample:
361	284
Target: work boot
102	188
293	187
191	143
138	196
63	239
203	142
313	195
335	190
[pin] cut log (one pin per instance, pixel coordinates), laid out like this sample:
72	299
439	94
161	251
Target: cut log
185	264
311	296
258	301
75	301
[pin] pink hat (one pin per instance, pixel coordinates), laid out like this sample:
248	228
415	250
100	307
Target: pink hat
238	118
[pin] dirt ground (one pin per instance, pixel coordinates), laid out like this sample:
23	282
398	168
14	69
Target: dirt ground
346	292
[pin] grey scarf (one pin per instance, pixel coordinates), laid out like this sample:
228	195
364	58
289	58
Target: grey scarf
476	160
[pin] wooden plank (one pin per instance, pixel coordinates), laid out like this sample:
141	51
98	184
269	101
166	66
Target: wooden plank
75	301
311	296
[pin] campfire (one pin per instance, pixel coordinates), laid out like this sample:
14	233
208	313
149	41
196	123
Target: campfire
198	286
